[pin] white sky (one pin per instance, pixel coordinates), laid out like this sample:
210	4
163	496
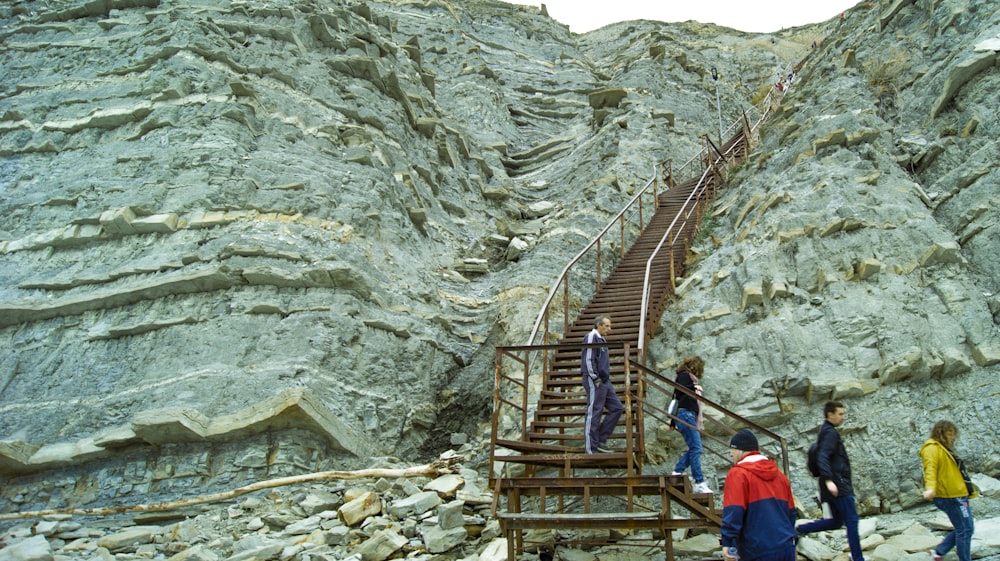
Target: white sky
761	16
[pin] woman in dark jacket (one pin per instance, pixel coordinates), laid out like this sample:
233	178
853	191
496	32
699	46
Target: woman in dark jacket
690	421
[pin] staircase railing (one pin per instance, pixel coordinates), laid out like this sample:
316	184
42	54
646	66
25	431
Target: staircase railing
655	391
514	383
692	209
630	221
512	395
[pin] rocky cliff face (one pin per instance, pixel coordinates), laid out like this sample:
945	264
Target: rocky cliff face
245	240
855	256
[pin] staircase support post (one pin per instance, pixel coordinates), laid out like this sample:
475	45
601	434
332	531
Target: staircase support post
666	514
747	132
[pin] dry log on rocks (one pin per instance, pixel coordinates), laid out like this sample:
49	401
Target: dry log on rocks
445	464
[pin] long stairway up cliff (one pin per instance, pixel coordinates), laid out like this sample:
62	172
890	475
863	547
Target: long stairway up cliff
265	225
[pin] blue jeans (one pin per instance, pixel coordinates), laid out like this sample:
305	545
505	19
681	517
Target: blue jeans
961	518
692	457
844	514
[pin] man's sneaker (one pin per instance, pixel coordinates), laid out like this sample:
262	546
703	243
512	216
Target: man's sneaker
935	556
701	488
676	473
604	448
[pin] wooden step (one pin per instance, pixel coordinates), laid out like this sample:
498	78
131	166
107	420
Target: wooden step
617	440
649	484
574	380
572	368
536	447
614	460
561	364
552	403
566	412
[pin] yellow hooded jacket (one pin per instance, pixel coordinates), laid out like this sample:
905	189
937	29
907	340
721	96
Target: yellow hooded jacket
941	471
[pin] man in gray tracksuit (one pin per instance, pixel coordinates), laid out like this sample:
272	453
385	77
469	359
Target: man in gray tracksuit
595	368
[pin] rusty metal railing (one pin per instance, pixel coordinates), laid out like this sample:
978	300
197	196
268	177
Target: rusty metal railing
646	393
692	210
656	389
512	395
627	224
630	221
636	212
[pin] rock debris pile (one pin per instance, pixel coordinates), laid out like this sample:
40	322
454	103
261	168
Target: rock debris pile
421	519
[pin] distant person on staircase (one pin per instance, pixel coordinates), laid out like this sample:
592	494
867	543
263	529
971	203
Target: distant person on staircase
689	375
758	510
835	488
595	366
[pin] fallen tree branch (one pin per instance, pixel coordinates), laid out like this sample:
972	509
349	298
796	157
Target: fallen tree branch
445	464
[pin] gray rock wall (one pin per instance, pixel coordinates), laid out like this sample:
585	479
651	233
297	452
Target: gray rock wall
848	261
213	207
229	225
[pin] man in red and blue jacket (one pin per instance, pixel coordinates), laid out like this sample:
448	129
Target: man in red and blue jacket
758	511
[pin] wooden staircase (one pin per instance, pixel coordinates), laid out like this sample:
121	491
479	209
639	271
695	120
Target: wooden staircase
555	434
553	440
546	481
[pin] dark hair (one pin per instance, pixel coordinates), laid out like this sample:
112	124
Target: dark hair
941	430
693	364
831	407
599	320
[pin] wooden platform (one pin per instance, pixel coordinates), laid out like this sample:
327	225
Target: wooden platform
538	503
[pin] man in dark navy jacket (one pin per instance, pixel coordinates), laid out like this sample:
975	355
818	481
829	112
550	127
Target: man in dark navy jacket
835	487
595	368
758	511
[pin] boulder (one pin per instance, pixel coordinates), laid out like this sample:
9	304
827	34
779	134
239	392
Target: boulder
381	546
35	548
356	511
415	504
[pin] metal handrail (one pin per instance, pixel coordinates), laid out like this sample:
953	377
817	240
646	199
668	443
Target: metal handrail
644	309
642	373
699	157
636	403
636	200
685	211
702	157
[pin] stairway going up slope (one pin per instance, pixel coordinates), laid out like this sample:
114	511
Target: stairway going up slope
542	478
557	426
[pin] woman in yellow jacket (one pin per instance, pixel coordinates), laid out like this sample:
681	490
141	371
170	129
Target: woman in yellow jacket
944	484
